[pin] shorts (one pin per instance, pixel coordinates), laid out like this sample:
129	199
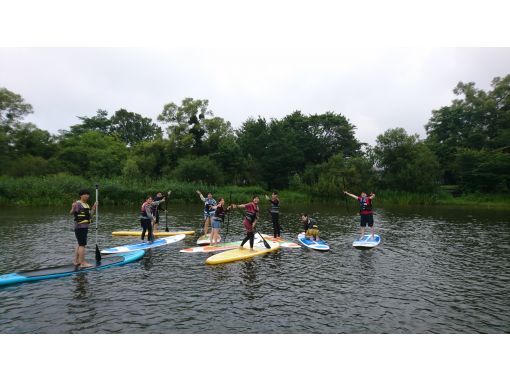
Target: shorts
312	232
81	236
216	224
367	219
157	219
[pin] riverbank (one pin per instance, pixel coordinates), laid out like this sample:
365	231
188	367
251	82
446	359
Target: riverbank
60	189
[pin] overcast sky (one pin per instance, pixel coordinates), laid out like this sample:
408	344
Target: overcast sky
375	89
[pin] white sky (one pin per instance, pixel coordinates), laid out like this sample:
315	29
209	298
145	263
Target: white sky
248	59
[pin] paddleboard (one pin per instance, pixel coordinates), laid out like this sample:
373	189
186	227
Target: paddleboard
283	242
68	270
319	245
215	247
205	239
241	254
367	242
156	234
147	245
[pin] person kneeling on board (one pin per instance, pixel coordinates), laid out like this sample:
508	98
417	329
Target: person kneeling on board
365	211
82	219
250	219
156	208
311	228
217	220
147	218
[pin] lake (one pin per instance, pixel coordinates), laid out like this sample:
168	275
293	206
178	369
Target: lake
438	270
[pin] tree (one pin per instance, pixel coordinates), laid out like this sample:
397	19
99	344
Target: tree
98	123
13	108
199	169
133	128
407	164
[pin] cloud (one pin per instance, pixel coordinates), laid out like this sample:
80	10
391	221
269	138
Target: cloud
375	89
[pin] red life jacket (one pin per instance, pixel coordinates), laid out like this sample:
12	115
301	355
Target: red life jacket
143	211
365	206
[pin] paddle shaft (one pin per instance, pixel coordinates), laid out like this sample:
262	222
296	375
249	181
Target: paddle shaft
98	251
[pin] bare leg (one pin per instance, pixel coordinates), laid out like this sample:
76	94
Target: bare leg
362	232
81	258
372	229
76	257
206	226
155	227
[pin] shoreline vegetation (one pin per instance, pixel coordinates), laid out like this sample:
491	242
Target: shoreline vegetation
60	189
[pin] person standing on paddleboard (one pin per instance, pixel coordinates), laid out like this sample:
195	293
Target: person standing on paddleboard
156	207
274	210
82	218
217	220
147	218
250	219
365	211
310	226
209	202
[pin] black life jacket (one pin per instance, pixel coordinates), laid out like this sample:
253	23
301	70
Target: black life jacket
143	211
83	216
310	223
365	204
275	206
208	206
219	213
155	207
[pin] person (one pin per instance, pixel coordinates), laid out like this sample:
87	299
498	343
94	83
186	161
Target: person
82	218
147	218
250	219
156	208
274	210
217	220
209	202
310	226
365	211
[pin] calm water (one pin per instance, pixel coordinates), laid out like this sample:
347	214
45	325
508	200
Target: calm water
438	270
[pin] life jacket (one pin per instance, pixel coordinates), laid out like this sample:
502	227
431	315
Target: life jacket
365	205
310	223
219	213
155	207
208	206
250	215
275	206
83	216
143	211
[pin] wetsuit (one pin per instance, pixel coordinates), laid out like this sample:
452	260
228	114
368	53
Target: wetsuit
146	219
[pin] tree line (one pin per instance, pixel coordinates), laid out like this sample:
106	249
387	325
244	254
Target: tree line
467	144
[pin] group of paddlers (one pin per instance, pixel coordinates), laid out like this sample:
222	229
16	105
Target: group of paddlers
214	217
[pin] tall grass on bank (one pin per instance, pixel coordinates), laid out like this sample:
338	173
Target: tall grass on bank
62	188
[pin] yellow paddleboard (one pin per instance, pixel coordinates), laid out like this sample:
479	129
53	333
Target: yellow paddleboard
241	253
159	233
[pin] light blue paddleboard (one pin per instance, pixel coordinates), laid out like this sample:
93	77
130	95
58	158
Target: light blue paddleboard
319	245
68	270
148	245
367	242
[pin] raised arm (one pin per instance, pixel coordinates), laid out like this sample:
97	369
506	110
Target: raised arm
200	195
372	196
351	195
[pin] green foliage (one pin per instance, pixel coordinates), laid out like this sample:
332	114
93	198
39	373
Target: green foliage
200	169
13	108
407	164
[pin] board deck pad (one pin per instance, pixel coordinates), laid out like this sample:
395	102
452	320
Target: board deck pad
284	243
367	241
319	245
205	239
145	245
69	269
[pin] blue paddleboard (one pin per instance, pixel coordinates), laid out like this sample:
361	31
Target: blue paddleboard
367	242
147	245
68	270
319	245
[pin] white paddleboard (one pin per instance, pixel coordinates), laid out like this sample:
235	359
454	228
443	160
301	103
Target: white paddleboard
147	245
319	245
367	242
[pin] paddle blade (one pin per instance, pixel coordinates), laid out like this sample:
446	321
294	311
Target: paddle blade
266	244
98	254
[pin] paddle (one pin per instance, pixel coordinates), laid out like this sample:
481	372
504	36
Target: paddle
98	252
228	214
166	212
266	244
